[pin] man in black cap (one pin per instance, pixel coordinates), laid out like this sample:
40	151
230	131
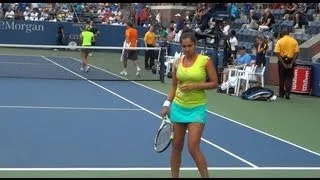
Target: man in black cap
286	50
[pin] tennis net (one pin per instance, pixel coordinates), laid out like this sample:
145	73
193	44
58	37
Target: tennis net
64	62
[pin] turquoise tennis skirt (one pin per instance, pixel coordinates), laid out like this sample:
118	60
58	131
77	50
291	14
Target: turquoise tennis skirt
179	114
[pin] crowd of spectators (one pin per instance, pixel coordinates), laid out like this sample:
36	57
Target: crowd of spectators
258	17
105	13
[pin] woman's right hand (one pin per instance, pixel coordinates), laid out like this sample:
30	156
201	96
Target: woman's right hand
164	111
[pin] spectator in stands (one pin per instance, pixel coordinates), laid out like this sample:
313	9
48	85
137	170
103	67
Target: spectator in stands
162	33
144	15
253	21
106	17
158	16
69	16
295	10
34	7
119	15
18	15
52	18
179	27
205	16
34	14
171	34
286	50
137	9
101	11
234	43
114	7
9	14
261	47
290	9
225	28
26	13
243	59
234	11
267	21
22	6
44	15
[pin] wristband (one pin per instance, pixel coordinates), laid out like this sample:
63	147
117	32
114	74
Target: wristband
166	103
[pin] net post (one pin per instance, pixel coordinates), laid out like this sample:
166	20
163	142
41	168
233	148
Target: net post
161	59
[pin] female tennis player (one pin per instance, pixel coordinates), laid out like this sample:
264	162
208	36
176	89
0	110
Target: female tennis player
86	38
187	103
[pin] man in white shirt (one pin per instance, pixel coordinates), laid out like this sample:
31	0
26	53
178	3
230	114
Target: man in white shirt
9	14
234	43
44	15
34	14
225	28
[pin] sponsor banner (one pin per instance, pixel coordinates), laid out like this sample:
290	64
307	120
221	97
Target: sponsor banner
45	33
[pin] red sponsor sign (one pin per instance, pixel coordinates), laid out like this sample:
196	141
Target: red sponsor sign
301	82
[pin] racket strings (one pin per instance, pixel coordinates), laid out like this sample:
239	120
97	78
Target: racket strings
164	137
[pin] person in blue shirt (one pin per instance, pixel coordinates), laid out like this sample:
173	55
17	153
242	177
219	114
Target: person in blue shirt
243	59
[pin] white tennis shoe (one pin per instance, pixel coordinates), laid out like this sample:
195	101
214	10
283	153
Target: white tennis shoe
123	73
87	68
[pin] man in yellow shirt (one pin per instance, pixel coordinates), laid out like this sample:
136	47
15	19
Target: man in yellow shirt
149	41
286	50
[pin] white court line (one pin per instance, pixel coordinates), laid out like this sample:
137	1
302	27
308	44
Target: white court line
98	85
23	63
163	169
71	108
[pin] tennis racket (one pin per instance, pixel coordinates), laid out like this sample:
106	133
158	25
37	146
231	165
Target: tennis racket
164	136
122	53
124	50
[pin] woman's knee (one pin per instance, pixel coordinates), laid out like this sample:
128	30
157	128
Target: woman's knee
177	146
194	138
194	147
178	137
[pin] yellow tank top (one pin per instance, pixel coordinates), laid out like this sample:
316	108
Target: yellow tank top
193	74
87	38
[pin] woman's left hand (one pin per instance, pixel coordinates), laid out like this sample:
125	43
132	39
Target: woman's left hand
187	87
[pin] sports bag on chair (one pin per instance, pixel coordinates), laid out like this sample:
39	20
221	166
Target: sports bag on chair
258	93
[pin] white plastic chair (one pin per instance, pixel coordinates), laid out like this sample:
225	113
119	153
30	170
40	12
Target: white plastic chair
259	75
170	60
233	77
245	75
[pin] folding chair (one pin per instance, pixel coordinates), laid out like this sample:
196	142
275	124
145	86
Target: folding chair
245	75
233	76
258	75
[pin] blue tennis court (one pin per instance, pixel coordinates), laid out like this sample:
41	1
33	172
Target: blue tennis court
112	124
